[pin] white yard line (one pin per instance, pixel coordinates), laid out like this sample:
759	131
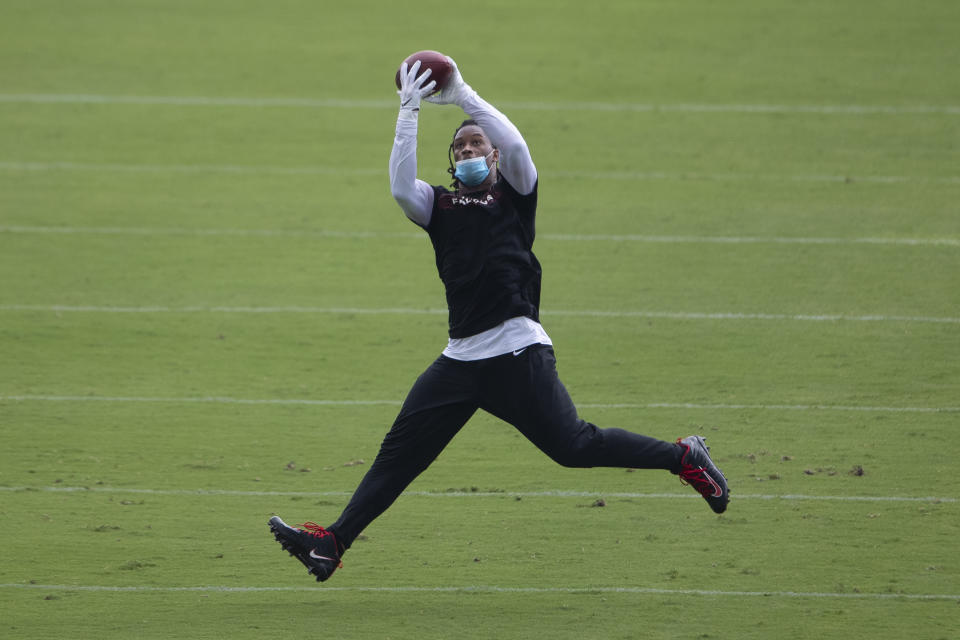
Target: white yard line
471	494
199	400
183	231
486	589
187	168
418	235
360	171
584	313
396	403
355	103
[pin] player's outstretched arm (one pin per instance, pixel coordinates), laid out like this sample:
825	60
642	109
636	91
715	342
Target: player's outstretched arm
414	196
516	164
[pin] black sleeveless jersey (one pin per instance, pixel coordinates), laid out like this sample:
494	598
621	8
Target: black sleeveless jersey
483	243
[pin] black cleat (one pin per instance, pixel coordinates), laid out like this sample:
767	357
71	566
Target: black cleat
312	545
698	470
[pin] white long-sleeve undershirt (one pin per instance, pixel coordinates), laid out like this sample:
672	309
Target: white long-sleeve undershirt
415	196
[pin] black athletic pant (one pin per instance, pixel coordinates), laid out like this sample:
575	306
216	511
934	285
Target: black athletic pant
523	390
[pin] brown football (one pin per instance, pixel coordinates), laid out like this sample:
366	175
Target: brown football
430	60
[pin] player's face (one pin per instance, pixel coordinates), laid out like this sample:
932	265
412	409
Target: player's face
472	142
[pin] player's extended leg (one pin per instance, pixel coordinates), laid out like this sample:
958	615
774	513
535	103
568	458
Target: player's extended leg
526	391
441	401
414	441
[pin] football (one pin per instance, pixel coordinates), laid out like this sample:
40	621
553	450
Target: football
430	60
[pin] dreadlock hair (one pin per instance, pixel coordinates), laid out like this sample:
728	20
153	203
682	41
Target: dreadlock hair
452	168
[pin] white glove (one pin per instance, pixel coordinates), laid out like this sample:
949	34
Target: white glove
413	89
455	91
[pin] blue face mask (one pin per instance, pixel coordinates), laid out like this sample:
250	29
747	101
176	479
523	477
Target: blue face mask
473	171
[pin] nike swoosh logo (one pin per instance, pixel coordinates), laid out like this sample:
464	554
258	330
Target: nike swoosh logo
717	491
317	556
406	103
519	351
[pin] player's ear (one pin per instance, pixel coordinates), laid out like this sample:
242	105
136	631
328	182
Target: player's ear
496	155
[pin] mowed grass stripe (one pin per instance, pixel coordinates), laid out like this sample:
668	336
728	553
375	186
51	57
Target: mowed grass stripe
488	589
361	171
358	103
557	493
374	402
597	313
579	237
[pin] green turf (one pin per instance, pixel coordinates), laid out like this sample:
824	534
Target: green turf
211	310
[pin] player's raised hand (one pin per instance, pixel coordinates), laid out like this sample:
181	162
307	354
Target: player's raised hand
454	90
413	87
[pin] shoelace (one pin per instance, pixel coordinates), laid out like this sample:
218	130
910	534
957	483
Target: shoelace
697	478
315	530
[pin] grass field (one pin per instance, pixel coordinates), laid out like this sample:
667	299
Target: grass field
211	310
